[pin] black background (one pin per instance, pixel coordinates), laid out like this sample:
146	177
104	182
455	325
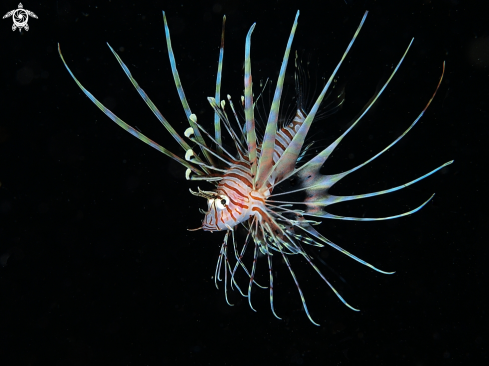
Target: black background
97	265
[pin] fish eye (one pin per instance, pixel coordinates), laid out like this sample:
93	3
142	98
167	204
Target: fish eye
222	202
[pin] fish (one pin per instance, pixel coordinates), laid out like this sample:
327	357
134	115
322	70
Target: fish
245	176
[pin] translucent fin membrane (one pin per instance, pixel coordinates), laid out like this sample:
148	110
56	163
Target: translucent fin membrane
331	216
331	199
287	161
317	185
317	162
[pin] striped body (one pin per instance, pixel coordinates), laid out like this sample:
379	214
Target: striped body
236	200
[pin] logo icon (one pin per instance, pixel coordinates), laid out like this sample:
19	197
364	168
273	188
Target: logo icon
20	17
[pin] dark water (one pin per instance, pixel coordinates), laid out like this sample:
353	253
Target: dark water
96	264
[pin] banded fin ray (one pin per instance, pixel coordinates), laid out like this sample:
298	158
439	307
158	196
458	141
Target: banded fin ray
317	162
150	103
320	198
127	127
287	161
311	231
180	91
268	144
249	106
217	96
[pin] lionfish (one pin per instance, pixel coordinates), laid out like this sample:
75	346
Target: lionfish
244	179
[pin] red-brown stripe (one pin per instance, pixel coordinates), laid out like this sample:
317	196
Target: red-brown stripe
237	203
277	142
258	209
257	198
231	213
242	179
215	211
234	190
287	133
